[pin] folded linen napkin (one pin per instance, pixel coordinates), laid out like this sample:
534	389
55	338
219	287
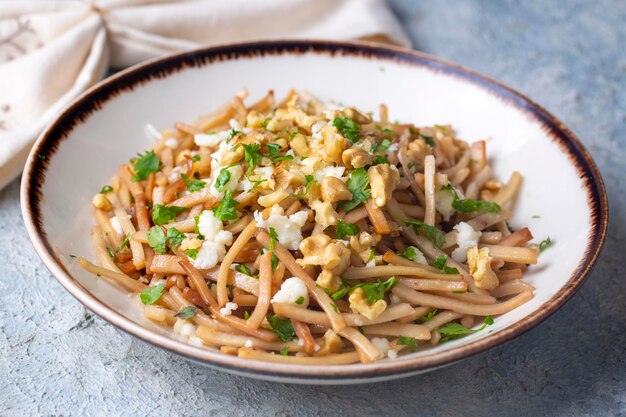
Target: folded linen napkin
51	51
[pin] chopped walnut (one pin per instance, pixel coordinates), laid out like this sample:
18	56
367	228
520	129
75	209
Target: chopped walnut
325	214
333	190
334	144
362	244
383	180
332	343
326	279
479	262
416	152
359	304
356	158
321	250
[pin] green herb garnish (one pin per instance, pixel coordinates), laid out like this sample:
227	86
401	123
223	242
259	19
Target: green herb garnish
348	128
346	229
225	210
106	189
164	214
186	312
124	244
545	244
428	316
282	327
193	185
453	330
440	262
358	185
407	341
145	165
273	237
222	179
251	155
157	240
433	234
192	253
152	294
310	180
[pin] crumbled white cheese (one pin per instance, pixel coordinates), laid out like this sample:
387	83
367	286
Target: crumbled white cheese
300	342
392	149
115	222
316	129
288	229
443	201
329	171
381	344
358	321
394	299
371	263
216	238
153	132
195	341
316	347
171	143
466	238
228	309
184	329
216	157
392	354
248	343
419	256
345	242
175	174
236	172
290	291
211	139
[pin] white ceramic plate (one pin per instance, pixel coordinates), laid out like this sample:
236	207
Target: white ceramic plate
79	152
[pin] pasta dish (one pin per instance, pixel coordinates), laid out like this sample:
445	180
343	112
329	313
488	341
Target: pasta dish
305	232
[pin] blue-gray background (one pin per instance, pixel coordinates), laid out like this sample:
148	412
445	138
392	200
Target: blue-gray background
570	56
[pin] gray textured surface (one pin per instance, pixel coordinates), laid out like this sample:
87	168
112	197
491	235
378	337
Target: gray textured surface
57	359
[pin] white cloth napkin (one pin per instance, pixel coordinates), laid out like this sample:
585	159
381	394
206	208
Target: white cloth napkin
51	51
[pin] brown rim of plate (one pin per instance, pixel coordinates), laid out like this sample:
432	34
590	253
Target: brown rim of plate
127	80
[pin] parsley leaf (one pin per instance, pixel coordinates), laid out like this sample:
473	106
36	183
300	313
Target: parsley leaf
376	291
106	189
157	239
348	128
284	351
407	341
468	206
186	312
357	184
410	253
379	159
273	238
124	244
222	179
164	214
274	262
383	147
428	316
196	158
251	154
234	132
175	237
225	210
243	269
152	294
192	185
300	300
453	330
346	229
440	262
433	234
273	148
282	327
145	165
545	244
265	122
246	315
310	180
192	253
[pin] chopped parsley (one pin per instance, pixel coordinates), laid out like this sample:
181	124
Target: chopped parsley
246	315
545	244
196	158
274	262
157	240
348	128
145	165
225	210
234	132
192	185
152	294
284	351
358	185
409	253
186	312
124	244
346	229
379	159
110	252
536	217
376	291
310	180
428	316
192	253
440	262
468	206
164	214
265	122
274	150
407	341
222	179
252	155
282	327
243	269
433	234
453	330
300	300
175	237
384	145
273	238
106	189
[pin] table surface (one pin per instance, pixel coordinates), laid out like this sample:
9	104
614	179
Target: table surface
56	358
